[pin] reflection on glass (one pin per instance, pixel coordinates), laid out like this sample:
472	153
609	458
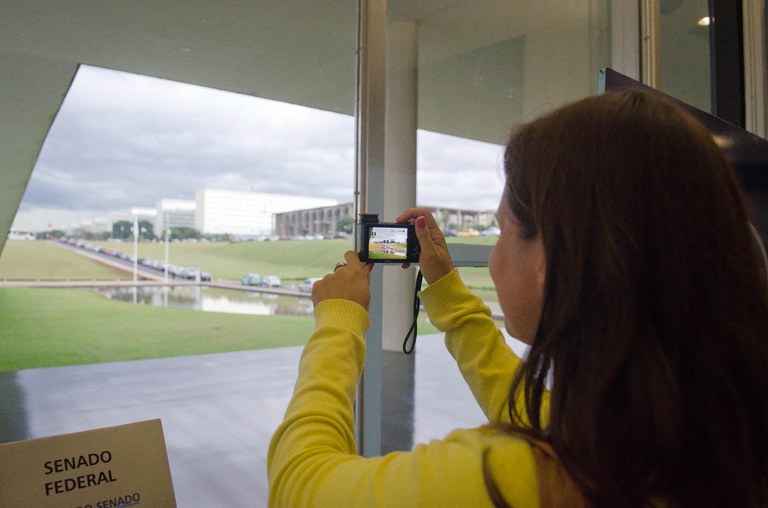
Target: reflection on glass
484	67
685	59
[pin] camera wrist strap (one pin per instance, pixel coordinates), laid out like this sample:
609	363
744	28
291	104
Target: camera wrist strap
414	324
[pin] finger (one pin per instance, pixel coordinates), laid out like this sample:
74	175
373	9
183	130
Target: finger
424	235
352	258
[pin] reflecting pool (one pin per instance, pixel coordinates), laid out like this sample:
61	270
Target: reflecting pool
210	299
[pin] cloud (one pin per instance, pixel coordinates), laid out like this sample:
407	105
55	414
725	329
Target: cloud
459	173
123	140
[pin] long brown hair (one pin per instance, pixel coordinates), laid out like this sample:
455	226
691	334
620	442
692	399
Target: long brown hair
654	324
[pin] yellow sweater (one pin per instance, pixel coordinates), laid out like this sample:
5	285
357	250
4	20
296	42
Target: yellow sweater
312	459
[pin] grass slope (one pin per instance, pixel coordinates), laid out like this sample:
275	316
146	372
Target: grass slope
50	327
289	260
292	261
55	327
28	260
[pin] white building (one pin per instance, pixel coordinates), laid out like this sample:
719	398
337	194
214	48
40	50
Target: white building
246	213
94	225
174	213
18	235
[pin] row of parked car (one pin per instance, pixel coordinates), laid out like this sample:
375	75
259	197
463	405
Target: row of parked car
254	279
181	272
273	281
306	284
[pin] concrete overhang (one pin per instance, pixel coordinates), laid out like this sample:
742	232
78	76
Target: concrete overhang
298	51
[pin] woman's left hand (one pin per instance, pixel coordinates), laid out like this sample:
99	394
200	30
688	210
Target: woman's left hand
349	281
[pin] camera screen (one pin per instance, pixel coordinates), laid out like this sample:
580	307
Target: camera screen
388	242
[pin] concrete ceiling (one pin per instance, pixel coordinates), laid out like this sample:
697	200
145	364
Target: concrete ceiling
298	51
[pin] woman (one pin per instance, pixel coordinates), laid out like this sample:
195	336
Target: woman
626	262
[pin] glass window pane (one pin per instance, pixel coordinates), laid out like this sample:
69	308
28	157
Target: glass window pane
167	102
685	58
483	67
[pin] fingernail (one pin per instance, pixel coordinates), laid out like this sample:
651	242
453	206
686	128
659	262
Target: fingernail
421	222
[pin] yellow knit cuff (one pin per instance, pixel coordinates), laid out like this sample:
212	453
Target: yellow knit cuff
342	313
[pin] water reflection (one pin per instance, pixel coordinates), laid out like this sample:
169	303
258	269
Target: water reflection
212	300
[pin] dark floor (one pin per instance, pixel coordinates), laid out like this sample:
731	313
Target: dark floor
218	411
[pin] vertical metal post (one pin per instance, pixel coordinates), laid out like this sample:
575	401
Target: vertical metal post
165	265
135	256
370	114
650	43
135	248
398	369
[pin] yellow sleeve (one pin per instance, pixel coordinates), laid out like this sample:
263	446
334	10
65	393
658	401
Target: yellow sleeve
312	461
474	340
319	420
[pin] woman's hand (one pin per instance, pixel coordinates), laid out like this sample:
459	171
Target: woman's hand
434	260
350	280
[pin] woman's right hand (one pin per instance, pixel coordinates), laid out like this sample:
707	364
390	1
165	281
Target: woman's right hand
434	260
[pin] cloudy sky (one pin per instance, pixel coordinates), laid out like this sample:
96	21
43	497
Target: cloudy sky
122	141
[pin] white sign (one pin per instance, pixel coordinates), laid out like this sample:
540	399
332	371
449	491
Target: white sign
113	467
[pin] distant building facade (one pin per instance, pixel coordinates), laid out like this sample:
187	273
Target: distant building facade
325	220
246	213
95	225
459	219
217	211
20	235
174	213
312	222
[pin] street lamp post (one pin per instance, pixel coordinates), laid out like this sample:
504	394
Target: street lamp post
135	249
165	265
135	257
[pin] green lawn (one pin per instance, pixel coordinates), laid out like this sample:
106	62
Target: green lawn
38	260
292	261
53	327
48	327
